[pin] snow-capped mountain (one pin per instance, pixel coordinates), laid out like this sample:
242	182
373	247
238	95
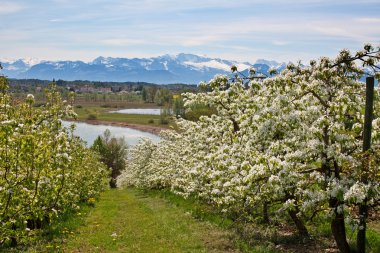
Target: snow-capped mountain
181	68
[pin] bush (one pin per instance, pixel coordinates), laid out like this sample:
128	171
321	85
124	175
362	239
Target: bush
198	110
113	152
92	117
164	115
164	121
40	104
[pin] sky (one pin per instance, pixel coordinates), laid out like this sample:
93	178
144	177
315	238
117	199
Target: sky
243	30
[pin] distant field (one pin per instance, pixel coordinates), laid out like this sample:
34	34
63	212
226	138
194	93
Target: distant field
116	104
87	112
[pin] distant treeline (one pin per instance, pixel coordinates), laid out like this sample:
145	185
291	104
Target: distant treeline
24	84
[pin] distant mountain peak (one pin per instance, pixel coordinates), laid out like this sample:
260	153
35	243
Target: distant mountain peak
270	63
180	68
100	60
27	61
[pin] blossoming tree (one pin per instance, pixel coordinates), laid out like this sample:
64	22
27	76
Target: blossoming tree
287	145
44	170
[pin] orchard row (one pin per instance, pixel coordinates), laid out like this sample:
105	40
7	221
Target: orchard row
286	146
45	171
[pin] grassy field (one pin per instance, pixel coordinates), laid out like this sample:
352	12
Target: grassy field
96	112
116	104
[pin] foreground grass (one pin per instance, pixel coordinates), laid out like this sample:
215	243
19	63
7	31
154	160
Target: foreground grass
208	213
257	237
129	221
53	236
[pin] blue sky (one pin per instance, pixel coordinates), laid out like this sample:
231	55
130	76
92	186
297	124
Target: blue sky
244	30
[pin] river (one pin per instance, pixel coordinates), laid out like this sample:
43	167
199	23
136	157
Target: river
89	133
148	111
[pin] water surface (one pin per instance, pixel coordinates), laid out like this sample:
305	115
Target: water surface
89	132
151	111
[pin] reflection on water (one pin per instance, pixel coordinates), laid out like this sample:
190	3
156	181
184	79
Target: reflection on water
89	132
139	111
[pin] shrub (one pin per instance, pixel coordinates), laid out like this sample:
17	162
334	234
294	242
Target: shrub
164	121
92	116
113	152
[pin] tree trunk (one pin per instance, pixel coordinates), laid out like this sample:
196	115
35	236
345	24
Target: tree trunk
302	230
265	213
363	214
338	228
367	131
113	182
13	239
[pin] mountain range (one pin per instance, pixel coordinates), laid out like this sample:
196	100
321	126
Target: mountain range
181	68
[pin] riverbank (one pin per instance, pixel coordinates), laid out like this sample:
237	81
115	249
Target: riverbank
96	115
145	128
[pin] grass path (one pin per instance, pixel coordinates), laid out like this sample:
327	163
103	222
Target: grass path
129	221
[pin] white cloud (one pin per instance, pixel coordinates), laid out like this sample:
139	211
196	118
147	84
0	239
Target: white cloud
280	42
288	28
122	42
353	29
56	20
236	29
189	40
369	20
9	7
